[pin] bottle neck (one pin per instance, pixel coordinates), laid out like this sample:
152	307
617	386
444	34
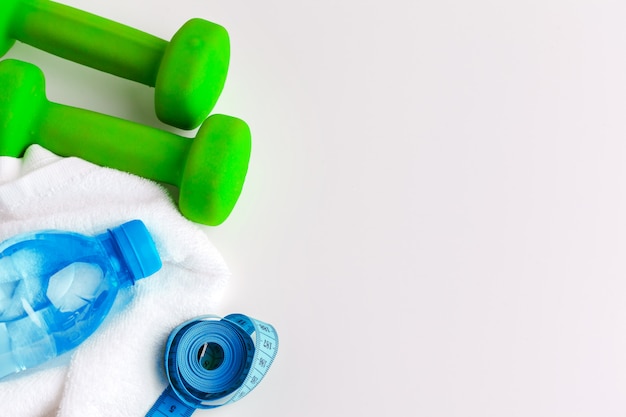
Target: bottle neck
116	257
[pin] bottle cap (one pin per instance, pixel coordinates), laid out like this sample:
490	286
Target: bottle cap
137	248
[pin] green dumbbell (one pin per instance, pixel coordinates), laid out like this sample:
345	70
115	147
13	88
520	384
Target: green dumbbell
188	72
209	169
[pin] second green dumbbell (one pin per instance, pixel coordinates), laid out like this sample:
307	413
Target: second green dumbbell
188	72
209	170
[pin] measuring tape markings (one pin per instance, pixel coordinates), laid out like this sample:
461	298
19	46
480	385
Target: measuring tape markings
168	405
211	362
266	349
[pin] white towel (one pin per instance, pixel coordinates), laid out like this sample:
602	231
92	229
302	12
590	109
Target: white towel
118	371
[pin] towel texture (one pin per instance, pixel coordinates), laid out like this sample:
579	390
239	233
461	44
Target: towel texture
118	370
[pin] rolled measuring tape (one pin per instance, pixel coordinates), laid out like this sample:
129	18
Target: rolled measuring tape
212	361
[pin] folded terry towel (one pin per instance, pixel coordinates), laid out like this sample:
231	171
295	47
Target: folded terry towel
118	370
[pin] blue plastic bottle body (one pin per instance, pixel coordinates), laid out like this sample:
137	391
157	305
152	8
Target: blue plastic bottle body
55	290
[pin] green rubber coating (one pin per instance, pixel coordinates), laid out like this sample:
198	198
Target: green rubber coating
209	170
192	73
6	14
22	99
88	39
222	149
188	73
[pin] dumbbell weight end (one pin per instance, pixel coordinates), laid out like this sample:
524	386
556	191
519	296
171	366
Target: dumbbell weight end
216	165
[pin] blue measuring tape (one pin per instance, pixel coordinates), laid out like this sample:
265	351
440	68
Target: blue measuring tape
212	361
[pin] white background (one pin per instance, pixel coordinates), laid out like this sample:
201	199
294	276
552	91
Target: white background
433	217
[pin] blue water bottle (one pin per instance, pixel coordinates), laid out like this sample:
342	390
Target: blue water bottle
57	287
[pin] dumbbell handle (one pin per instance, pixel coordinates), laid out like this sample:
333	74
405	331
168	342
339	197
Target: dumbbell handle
111	142
88	39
